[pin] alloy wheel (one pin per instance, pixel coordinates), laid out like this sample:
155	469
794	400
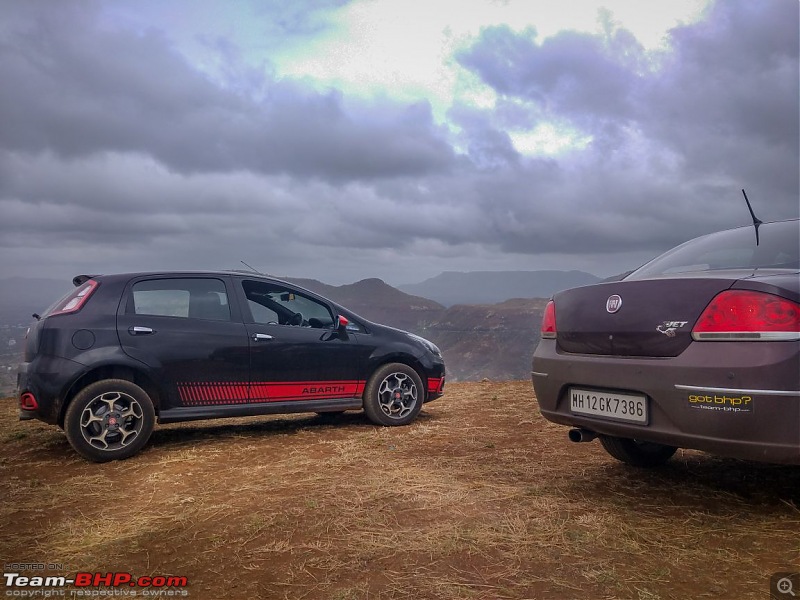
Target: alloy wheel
397	395
111	421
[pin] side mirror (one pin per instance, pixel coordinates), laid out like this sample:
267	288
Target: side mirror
341	323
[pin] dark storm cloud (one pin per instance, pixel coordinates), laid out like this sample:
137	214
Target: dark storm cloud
570	73
673	136
118	153
82	89
727	98
486	145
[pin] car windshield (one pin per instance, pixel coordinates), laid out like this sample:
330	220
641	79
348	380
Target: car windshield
778	248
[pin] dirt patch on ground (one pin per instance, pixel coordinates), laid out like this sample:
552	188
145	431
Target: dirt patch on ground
479	498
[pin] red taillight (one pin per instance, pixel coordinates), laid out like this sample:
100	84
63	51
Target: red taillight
748	315
28	402
76	299
549	321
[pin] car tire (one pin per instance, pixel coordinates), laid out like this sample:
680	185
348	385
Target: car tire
637	453
393	395
111	419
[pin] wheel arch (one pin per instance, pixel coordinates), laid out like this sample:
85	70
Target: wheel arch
403	358
111	371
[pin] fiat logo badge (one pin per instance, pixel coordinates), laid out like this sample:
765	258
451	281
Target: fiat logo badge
613	304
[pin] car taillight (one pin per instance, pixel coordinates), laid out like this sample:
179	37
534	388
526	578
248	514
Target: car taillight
549	321
75	300
748	315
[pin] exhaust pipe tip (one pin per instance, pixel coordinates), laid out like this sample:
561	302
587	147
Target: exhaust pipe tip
581	435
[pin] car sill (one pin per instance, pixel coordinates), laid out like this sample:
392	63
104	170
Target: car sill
175	415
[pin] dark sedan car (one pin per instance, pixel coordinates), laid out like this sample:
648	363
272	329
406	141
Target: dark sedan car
699	348
122	351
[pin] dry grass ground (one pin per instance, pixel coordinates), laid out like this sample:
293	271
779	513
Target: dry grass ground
479	498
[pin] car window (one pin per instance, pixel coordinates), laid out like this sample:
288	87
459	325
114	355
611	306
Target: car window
262	314
276	304
195	298
778	247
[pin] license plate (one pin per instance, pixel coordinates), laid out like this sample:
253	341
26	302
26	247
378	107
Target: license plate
611	405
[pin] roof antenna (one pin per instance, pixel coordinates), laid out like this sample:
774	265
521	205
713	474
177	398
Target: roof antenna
260	273
756	220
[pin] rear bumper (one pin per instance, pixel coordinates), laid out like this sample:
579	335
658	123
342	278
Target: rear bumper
28	415
24	385
695	400
47	378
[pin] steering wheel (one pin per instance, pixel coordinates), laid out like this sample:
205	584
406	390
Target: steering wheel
296	319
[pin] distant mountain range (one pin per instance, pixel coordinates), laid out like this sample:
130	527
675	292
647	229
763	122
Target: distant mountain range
377	301
494	341
486	287
483	333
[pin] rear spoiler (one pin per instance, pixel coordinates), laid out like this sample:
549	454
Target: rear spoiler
79	280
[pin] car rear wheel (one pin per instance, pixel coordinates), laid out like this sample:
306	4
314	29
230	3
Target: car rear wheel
394	395
637	453
110	419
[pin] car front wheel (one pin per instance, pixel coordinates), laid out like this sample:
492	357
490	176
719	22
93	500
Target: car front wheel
108	420
393	395
636	452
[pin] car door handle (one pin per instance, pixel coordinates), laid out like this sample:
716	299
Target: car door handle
258	337
136	330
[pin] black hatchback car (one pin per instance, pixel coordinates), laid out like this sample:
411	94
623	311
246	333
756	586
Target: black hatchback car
699	348
122	351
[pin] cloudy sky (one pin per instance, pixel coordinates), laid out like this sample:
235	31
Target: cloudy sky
397	139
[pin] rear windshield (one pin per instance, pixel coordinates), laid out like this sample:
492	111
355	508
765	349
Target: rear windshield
778	248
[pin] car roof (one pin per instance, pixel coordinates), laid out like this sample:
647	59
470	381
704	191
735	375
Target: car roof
80	279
